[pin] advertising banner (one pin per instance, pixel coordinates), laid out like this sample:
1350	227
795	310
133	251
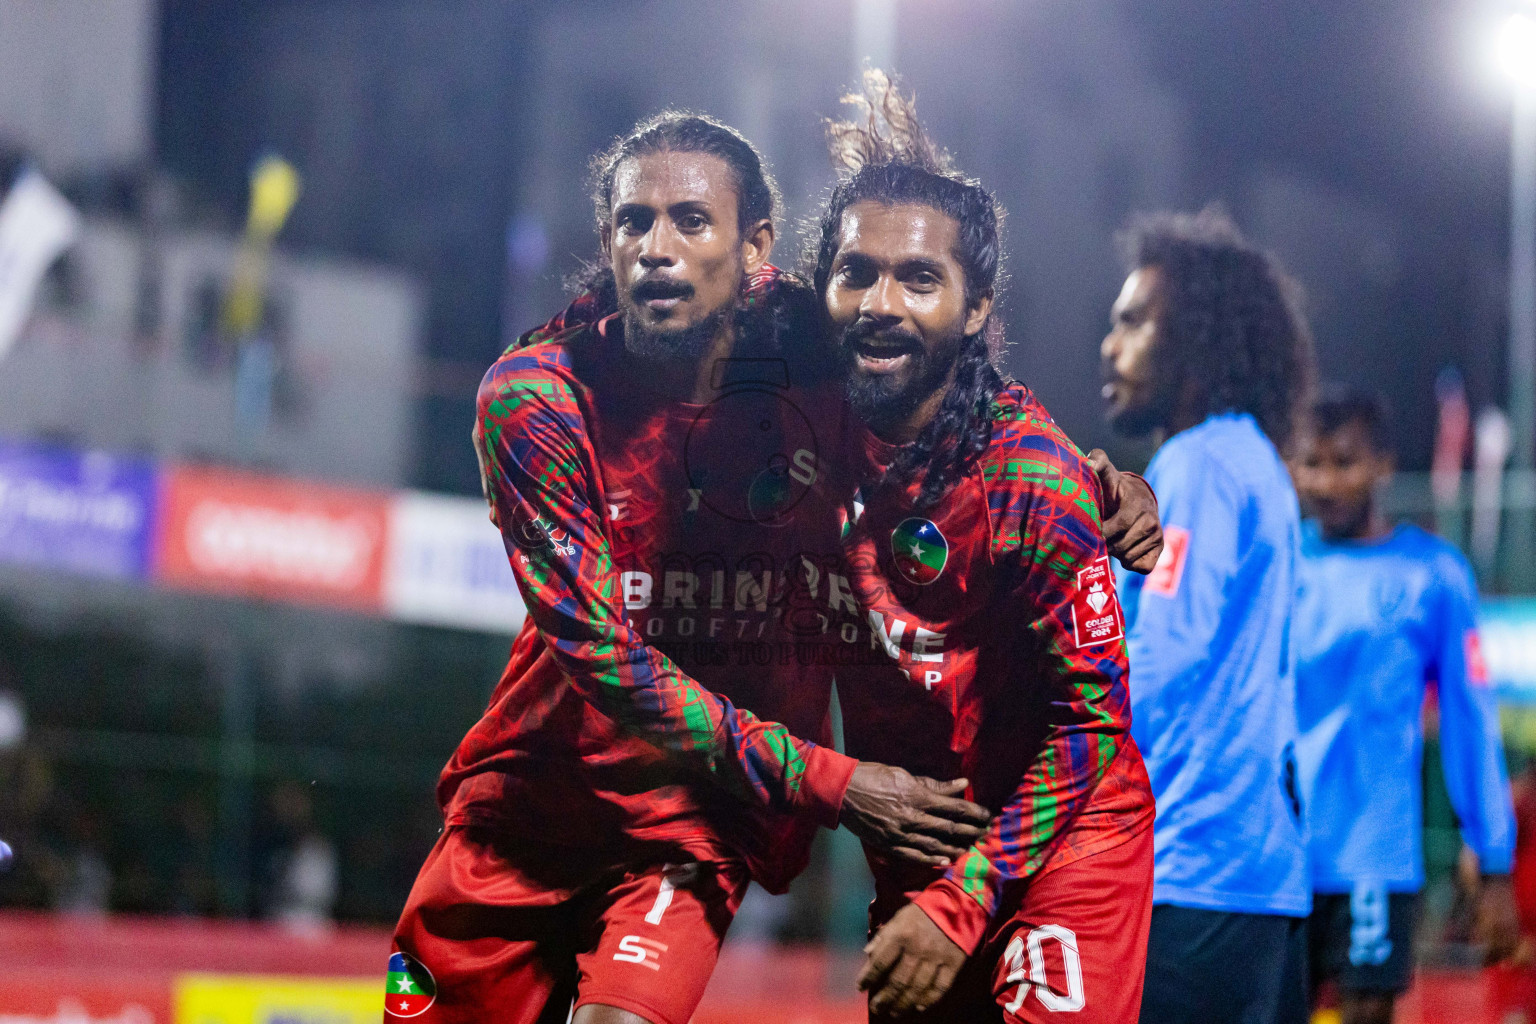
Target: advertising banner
447	566
1509	646
80	512
257	999
255	536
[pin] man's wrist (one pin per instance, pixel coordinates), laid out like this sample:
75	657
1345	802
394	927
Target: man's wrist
824	784
1150	489
955	912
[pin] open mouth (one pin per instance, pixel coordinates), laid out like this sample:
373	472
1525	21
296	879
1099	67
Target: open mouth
877	357
661	296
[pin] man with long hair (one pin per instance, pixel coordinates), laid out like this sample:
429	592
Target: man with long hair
1208	351
976	550
664	478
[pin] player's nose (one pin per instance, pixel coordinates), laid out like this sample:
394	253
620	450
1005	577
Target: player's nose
658	246
1109	351
881	301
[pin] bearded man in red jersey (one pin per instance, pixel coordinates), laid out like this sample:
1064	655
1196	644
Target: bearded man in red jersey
976	551
662	478
714	439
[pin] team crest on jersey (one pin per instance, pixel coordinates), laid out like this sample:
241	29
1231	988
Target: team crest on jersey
1096	615
533	532
920	551
409	988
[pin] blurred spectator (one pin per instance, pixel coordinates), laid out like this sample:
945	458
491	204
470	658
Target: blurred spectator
300	871
84	879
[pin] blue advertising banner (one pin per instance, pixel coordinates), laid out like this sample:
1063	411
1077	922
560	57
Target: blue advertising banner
1509	646
80	512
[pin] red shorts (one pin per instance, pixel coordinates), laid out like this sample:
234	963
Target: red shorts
483	940
1074	948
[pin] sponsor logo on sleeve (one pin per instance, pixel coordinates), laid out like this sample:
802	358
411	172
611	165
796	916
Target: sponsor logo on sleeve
1165	576
1477	665
1096	615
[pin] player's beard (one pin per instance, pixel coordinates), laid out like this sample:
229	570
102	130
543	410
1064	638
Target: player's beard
1154	414
675	344
889	399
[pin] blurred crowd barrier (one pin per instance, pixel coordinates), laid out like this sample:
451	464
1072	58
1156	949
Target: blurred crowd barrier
63	970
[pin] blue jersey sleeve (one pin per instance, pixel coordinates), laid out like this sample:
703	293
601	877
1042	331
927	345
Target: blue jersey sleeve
1471	751
1174	615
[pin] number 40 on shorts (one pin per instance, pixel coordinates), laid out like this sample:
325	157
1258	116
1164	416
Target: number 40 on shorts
1033	976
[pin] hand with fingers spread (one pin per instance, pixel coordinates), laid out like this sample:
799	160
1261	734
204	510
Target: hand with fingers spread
1132	530
911	964
911	818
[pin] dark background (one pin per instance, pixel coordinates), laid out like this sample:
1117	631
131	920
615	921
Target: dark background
1367	142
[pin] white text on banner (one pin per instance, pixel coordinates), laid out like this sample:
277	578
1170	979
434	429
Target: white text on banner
447	566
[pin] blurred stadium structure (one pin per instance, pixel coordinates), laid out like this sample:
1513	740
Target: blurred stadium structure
249	600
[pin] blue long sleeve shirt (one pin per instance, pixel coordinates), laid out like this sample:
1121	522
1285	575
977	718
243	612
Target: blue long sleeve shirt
1213	689
1376	622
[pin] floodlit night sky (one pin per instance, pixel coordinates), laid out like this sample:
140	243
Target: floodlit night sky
1366	142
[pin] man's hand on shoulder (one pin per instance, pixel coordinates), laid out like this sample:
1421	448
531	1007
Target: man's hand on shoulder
1132	529
909	817
911	964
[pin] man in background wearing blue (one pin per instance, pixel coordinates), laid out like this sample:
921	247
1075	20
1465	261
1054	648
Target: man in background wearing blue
1385	610
1208	350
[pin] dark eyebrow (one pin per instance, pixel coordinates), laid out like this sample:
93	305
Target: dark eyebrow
626	209
847	256
918	264
1129	311
688	206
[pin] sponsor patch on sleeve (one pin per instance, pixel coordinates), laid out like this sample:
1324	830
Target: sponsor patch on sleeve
1477	665
1096	617
1165	576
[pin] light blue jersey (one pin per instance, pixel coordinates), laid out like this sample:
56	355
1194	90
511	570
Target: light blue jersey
1376	622
1213	688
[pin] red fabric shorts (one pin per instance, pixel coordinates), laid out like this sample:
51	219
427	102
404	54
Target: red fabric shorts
486	940
1073	948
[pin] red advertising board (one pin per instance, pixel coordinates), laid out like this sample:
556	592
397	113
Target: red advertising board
255	536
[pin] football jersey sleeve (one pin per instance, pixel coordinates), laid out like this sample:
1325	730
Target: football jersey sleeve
539	475
1175	612
1057	580
1471	752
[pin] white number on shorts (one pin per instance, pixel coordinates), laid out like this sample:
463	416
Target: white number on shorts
1013	958
672	875
1368	924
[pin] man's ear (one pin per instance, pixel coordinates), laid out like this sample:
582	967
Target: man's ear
757	245
977	317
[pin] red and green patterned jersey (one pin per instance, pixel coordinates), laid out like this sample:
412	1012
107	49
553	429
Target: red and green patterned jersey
1006	662
659	547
